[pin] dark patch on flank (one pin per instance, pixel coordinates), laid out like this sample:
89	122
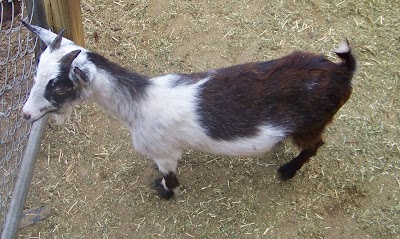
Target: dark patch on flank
231	102
238	99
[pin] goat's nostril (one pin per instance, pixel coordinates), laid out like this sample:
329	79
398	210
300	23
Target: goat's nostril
27	116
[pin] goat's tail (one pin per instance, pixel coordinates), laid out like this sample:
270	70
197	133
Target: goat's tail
344	52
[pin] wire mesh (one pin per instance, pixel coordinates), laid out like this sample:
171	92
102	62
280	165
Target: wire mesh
17	67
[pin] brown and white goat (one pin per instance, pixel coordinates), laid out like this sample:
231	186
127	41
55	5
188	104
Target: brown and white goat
242	110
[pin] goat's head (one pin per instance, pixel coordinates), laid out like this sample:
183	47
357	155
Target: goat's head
59	80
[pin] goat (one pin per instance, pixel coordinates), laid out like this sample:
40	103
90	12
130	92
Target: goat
242	110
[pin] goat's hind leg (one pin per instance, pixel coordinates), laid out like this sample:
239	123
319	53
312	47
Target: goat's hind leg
168	181
309	145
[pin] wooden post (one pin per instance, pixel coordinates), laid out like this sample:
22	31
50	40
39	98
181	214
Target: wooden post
66	14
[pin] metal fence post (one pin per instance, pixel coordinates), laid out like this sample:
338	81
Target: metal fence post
23	180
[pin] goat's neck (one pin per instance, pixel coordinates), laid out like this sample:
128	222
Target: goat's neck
117	90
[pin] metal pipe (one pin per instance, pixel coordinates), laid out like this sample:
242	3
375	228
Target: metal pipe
23	180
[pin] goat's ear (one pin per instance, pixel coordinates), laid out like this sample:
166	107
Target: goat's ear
67	60
80	76
44	35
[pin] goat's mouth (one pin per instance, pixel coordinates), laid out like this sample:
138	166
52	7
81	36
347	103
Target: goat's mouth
32	120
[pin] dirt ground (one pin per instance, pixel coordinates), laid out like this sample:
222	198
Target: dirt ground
97	187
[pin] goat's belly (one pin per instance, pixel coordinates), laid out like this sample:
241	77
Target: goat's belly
171	141
246	146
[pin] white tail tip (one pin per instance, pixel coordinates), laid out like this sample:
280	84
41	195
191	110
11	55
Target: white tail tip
343	47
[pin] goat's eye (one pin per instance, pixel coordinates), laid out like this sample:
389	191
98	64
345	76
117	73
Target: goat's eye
61	90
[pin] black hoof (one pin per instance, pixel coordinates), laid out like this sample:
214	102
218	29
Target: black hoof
161	191
286	172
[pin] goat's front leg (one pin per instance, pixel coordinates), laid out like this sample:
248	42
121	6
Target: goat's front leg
168	181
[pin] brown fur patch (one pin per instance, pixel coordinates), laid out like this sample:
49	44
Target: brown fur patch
299	92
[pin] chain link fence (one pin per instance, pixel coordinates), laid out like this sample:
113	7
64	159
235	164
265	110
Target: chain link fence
17	67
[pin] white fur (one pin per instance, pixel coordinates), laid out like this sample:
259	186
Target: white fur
343	47
164	184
